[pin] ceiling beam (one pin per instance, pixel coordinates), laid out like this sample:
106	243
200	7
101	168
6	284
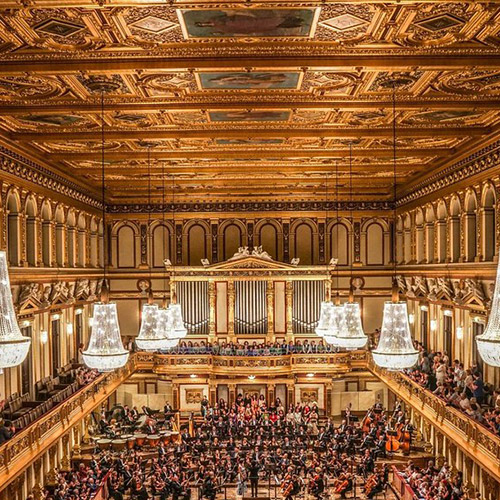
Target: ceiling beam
213	61
246	154
245	133
246	102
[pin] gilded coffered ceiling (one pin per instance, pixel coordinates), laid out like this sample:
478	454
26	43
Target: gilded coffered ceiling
255	101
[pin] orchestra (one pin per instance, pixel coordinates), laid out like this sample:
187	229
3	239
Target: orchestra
244	445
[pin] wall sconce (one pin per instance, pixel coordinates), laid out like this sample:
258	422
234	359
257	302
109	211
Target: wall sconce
460	333
44	336
478	319
26	323
411	318
79	311
448	312
55	317
69	328
193	375
424	308
433	325
251	377
310	375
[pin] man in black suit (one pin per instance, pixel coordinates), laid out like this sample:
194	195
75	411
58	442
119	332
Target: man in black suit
6	431
253	474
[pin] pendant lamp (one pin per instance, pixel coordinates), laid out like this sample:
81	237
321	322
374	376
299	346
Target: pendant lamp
150	338
178	331
353	336
488	343
14	346
105	351
395	350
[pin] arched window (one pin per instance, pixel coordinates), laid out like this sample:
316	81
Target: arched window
470	227
13	230
232	240
304	246
126	247
429	234
71	240
81	237
420	236
60	236
407	239
268	238
454	229
197	245
46	216
488	215
441	231
375	245
339	243
161	245
31	232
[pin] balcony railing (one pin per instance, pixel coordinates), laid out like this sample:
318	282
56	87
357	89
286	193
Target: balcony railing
29	443
474	439
178	364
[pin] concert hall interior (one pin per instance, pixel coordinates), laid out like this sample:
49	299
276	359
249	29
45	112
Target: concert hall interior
249	249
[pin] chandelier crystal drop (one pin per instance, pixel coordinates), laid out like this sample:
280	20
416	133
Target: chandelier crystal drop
105	351
14	346
353	336
337	325
325	319
395	350
488	343
151	338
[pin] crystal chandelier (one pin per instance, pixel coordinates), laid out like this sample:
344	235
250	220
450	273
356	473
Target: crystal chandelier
337	325
395	350
150	338
105	351
353	336
14	346
178	331
164	325
325	319
488	343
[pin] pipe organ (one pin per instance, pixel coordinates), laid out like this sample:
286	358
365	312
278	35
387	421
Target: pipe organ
250	294
250	315
307	298
195	305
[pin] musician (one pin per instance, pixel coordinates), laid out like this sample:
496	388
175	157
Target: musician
147	411
293	488
343	484
317	485
149	427
209	490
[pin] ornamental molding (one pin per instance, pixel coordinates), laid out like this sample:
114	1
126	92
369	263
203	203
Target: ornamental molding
476	163
14	164
286	206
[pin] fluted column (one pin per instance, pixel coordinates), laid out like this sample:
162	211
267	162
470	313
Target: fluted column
231	298
212	300
289	309
270	310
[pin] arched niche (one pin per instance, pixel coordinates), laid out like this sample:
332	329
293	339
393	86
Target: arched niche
13	205
375	244
31	231
441	216
160	236
303	247
488	222
268	238
339	242
470	226
454	229
196	244
232	239
81	237
125	244
419	236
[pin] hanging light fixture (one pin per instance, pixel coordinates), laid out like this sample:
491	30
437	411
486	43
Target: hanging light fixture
14	346
178	330
488	343
395	350
353	336
337	324
150	338
325	314
105	351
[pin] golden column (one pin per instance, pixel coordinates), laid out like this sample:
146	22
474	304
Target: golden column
212	299
270	310
231	298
